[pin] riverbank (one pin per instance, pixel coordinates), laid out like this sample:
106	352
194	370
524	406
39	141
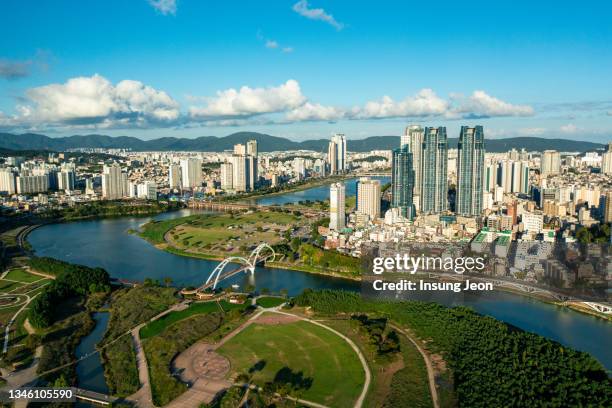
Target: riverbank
357	278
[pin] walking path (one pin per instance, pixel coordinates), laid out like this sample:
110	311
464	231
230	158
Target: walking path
205	389
366	369
430	372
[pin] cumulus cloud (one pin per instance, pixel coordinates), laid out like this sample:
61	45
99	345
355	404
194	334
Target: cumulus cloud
165	7
246	101
271	44
480	104
424	103
303	8
95	100
14	69
315	112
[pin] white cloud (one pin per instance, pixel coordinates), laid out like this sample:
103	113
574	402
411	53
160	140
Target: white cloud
165	7
424	103
95	100
569	128
271	44
247	101
480	104
303	8
314	112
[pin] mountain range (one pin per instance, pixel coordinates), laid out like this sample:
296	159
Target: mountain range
266	143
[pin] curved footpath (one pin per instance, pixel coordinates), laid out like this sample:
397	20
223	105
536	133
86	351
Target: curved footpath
430	372
366	369
143	397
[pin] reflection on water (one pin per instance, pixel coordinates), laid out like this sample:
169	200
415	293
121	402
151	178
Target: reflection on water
107	244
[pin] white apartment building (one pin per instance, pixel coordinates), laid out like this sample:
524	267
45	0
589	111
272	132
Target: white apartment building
368	197
191	172
337	217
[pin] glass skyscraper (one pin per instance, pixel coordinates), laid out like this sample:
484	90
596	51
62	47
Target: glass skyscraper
434	171
402	181
470	171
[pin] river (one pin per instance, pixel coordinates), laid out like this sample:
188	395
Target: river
90	372
107	243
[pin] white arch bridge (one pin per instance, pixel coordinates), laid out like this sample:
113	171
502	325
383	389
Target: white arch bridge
263	252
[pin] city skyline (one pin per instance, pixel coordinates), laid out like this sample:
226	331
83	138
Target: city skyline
177	69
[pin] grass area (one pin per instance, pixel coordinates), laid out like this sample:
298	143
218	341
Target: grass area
409	383
156	327
229	233
270	301
22	275
7	286
214	235
154	231
6	314
120	368
32	288
161	349
398	379
128	308
318	362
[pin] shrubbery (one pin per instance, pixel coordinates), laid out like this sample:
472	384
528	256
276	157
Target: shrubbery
71	280
493	364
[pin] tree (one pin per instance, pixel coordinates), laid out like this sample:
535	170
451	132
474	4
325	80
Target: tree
295	244
167	281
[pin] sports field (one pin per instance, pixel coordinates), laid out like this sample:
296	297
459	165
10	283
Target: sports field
325	368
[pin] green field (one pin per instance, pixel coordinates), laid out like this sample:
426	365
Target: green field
227	232
22	275
159	325
219	235
300	353
7	286
270	301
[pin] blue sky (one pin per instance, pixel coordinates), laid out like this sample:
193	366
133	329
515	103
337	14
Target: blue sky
304	69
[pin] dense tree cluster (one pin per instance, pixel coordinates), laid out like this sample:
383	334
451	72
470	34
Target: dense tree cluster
111	209
71	280
597	233
493	364
386	341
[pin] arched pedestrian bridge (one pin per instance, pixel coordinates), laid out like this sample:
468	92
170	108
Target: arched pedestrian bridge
262	253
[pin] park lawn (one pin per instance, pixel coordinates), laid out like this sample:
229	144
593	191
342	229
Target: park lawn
270	301
159	325
32	288
22	275
7	314
318	354
154	231
221	230
399	379
7	286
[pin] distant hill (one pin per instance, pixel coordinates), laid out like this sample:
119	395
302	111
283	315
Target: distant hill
266	143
